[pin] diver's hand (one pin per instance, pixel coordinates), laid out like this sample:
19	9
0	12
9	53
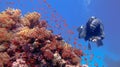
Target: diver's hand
95	39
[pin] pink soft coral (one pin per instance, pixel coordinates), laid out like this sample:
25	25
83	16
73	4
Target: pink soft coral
19	63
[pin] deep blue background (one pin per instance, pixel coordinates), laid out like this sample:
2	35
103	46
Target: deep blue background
76	13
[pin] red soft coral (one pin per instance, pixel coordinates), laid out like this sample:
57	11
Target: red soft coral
48	54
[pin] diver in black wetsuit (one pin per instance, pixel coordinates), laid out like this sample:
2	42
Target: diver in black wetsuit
93	31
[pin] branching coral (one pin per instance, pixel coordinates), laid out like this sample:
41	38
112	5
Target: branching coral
9	18
4	58
5	35
25	41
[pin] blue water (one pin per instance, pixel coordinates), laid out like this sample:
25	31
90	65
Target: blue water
76	13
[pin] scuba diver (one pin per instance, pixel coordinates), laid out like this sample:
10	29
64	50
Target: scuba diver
93	31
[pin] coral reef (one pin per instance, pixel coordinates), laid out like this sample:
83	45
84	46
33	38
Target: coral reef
25	41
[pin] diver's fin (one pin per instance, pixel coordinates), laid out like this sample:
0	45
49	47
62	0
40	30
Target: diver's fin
89	46
99	43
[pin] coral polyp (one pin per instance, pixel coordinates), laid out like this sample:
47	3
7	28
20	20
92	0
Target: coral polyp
25	41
